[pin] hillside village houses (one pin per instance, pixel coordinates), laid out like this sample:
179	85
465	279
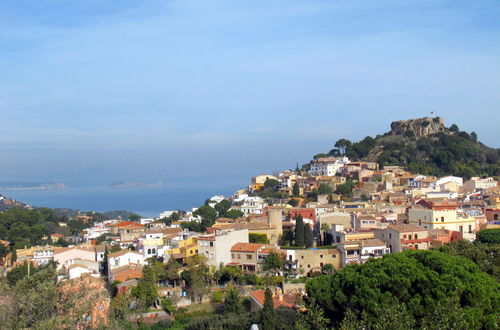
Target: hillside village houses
389	210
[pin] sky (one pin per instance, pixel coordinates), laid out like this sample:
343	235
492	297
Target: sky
102	91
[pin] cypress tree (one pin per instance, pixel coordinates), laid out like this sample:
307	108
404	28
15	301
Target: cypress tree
268	316
299	231
296	189
308	236
105	262
13	257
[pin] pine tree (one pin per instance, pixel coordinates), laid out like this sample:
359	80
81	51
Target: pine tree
268	316
233	302
299	231
308	236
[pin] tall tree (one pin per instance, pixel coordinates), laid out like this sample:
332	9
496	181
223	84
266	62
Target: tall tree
308	236
268	315
299	231
13	257
296	189
105	262
233	302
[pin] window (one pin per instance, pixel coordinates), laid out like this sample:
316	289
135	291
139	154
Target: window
470	229
409	237
232	255
420	222
495	216
442	219
289	257
321	256
149	251
308	266
249	257
461	229
334	256
239	256
416	236
390	235
321	264
211	243
154	251
437	219
302	257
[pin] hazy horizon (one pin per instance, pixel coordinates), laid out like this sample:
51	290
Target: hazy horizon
198	92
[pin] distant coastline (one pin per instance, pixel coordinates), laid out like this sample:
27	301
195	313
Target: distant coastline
158	184
32	186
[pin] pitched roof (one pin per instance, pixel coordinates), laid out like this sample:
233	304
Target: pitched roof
122	252
406	228
246	247
288	299
127	224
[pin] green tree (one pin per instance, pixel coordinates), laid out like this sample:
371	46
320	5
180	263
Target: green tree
325	189
233	302
271	183
268	316
486	256
196	277
313	318
105	261
293	202
273	262
222	207
257	238
146	290
421	281
328	269
208	215
489	236
13	257
299	231
296	189
234	214
343	145
308	236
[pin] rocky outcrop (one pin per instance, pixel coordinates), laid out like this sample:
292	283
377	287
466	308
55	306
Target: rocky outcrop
418	127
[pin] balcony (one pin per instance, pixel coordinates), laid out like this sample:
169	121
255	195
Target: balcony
413	241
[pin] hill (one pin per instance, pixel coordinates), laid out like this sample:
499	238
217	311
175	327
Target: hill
426	146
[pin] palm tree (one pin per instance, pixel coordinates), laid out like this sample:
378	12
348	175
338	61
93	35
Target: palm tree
324	228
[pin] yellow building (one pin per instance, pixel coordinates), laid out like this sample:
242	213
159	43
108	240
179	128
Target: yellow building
187	248
441	214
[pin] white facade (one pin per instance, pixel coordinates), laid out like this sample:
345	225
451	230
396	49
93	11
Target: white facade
217	247
328	166
123	258
252	205
43	255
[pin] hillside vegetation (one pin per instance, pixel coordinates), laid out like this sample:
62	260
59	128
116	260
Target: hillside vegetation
425	146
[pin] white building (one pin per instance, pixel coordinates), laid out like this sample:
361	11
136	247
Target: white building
217	247
252	205
42	255
124	258
327	166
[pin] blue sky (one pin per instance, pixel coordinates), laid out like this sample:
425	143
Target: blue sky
188	91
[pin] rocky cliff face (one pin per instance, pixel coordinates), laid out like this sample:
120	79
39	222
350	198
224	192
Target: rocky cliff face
418	127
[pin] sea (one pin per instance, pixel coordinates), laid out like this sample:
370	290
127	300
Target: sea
145	201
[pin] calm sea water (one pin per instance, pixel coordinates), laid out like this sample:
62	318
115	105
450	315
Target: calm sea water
148	202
